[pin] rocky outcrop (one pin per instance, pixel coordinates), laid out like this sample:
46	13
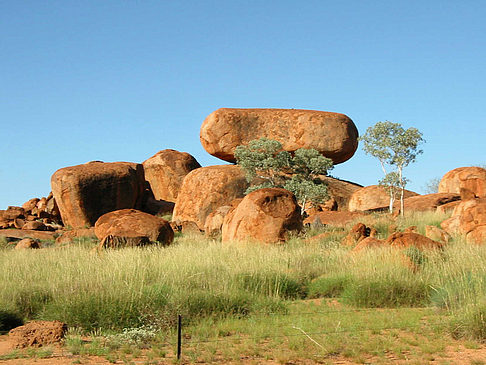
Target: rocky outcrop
86	192
359	232
469	219
206	189
472	178
331	218
165	171
437	234
131	227
340	191
214	221
334	135
73	234
373	197
265	215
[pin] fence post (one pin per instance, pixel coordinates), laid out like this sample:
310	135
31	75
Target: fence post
179	336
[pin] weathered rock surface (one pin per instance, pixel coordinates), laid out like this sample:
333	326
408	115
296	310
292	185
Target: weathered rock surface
357	233
428	202
165	171
469	219
408	239
334	135
131	227
86	192
37	334
265	215
20	233
437	234
206	189
373	197
214	221
369	242
341	191
472	178
27	243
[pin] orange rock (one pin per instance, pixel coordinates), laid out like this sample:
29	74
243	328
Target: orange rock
437	234
34	226
369	242
214	221
206	189
265	215
86	192
12	213
340	192
30	204
373	197
356	234
132	227
334	135
477	235
448	207
27	243
403	239
165	171
411	229
428	202
472	178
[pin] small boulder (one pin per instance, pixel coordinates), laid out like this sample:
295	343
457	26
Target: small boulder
27	243
165	171
130	227
437	234
265	215
37	334
12	213
404	239
356	234
428	202
330	218
34	226
369	242
472	178
30	204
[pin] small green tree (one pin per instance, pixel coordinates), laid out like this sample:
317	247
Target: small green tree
395	148
267	165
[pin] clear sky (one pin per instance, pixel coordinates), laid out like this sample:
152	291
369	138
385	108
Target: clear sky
121	80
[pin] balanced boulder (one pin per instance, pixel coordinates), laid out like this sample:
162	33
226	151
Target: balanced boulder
86	192
206	189
334	135
131	227
265	215
472	178
165	171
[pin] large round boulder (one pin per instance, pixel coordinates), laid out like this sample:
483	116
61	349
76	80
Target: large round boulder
85	192
472	178
131	227
165	171
265	215
469	219
334	135
205	189
373	197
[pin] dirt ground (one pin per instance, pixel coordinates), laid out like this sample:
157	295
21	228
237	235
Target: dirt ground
457	353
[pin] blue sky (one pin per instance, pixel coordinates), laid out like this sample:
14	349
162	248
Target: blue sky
121	80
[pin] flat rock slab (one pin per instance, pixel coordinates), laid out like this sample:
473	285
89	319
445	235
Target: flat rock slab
22	233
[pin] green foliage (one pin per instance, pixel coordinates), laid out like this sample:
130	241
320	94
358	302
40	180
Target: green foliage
331	286
395	147
266	165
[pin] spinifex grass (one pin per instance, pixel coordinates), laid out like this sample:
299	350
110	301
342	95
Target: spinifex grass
201	279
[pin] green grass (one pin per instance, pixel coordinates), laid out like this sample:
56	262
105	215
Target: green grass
205	280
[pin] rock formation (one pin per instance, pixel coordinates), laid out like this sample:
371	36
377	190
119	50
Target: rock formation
86	192
206	189
265	215
131	227
334	135
165	171
472	178
373	197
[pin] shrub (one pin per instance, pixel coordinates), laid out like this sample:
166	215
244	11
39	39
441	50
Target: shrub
328	286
